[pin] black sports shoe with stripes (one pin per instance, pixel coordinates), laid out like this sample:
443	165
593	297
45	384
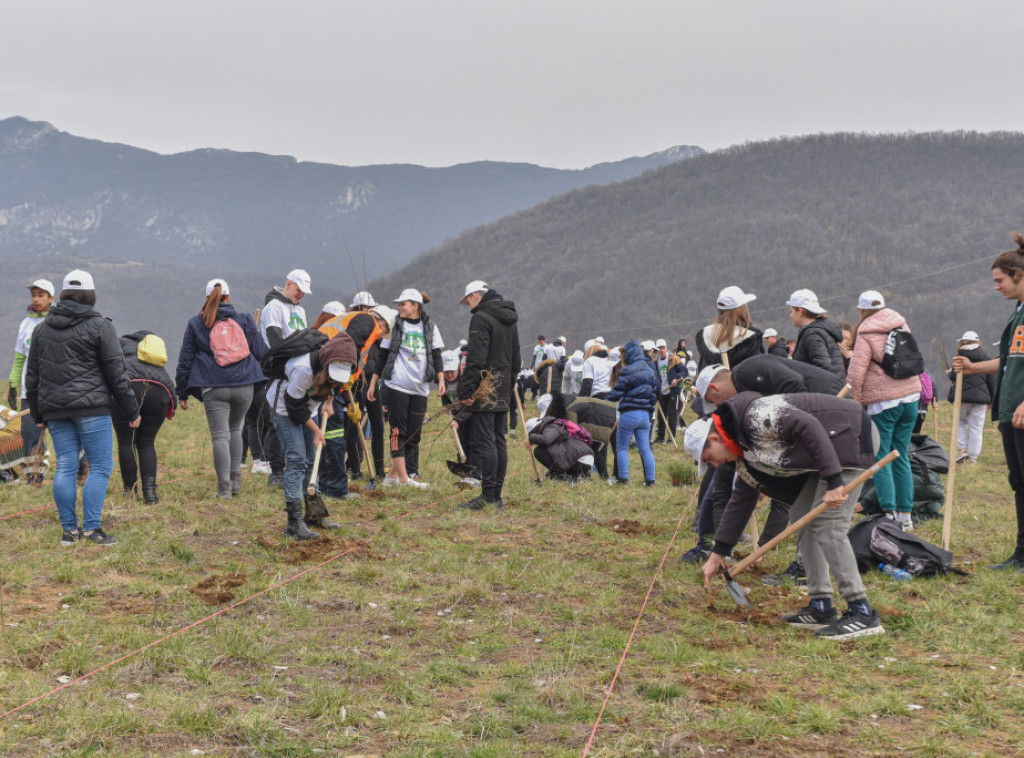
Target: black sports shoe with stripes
808	618
852	624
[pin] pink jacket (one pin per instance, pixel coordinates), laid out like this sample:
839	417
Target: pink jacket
868	382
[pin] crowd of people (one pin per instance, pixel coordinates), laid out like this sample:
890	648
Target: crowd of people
771	416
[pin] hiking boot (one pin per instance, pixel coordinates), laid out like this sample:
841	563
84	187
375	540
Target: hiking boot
236	482
794	573
852	624
476	504
98	537
296	526
71	536
696	554
224	490
808	618
149	490
276	480
1013	562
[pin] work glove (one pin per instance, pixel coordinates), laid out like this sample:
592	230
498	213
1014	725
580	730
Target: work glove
12	398
354	414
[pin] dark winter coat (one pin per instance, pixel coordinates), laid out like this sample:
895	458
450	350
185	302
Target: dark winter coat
779	349
749	343
76	367
197	367
676	372
638	385
564	450
784	439
818	344
772	375
493	345
555	368
978	389
145	377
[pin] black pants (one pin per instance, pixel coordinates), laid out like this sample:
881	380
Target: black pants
405	413
260	434
670	409
490	452
1013	449
153	405
600	458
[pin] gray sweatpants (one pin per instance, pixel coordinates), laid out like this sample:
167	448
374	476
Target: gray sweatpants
225	414
824	543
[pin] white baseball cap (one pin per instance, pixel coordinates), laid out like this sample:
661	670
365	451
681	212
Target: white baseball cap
615	353
411	295
531	424
599	338
563	340
972	336
78	280
387	313
450	360
339	372
661	343
733	297
334	307
806	299
647	345
43	284
694	440
301	279
213	283
463	343
363	298
704	378
577	359
769	332
477	285
870	300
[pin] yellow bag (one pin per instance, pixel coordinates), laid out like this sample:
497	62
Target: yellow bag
152	350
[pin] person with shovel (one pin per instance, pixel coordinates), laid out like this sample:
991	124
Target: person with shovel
492	353
802	450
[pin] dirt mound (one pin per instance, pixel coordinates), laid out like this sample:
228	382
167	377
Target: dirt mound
629	528
36	656
215	590
315	551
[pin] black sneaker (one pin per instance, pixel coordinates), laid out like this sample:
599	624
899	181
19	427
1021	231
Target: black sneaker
852	624
476	504
1013	562
696	554
808	618
649	483
71	537
793	573
275	480
99	537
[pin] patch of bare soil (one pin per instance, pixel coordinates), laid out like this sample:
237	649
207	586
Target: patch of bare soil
216	590
36	656
629	528
316	551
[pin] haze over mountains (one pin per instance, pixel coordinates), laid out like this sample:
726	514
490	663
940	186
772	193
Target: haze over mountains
836	213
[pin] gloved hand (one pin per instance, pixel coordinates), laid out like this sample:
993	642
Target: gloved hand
12	398
355	415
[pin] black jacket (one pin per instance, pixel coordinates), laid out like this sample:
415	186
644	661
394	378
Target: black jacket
145	377
779	349
708	355
564	450
772	375
818	344
978	388
76	367
493	346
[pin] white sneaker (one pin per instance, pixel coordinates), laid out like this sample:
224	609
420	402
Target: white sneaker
415	484
260	466
388	481
470	481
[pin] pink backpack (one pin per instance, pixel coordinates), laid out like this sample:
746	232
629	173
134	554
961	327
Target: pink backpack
927	388
228	343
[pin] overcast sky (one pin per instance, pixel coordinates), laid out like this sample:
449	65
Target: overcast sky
564	83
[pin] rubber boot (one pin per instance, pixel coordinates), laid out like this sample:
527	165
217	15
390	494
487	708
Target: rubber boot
149	490
236	482
324	523
296	526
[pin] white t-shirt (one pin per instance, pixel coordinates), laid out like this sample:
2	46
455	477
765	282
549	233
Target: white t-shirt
288	317
600	371
550	353
539	355
414	369
559	352
24	342
663	374
299	371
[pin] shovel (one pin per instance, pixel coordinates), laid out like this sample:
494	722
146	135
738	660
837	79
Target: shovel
372	484
460	468
529	447
958	391
737	592
315	508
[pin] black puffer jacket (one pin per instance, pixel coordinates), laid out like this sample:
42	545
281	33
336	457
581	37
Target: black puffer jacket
76	367
772	375
565	451
493	346
978	388
746	342
818	344
145	377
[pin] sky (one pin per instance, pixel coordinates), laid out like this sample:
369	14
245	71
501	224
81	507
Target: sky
561	83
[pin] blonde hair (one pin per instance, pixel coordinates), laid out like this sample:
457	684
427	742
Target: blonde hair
726	322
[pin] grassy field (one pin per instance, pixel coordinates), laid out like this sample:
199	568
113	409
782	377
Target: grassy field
442	632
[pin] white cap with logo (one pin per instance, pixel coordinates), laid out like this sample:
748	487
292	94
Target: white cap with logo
78	280
413	296
339	372
647	346
213	283
807	300
43	284
733	297
694	440
387	313
477	285
301	280
870	300
450	360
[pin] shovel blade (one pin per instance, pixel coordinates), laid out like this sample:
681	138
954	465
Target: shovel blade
739	596
461	470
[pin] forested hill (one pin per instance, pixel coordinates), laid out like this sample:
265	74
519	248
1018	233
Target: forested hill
836	213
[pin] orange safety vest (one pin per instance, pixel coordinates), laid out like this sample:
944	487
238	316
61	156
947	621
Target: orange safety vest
340	324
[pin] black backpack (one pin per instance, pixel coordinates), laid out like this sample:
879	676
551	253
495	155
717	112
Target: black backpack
902	358
295	344
881	540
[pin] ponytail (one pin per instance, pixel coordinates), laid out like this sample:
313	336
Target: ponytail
1012	261
209	310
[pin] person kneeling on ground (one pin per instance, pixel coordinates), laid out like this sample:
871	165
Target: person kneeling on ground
562	446
801	449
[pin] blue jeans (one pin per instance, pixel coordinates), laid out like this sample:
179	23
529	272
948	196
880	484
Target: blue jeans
297	442
94	435
895	483
634	424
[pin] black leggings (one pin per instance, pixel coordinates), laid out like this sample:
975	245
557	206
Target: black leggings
1013	449
405	413
153	404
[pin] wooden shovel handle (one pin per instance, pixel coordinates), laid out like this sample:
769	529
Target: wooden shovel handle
796	526
458	444
947	507
526	434
311	489
362	438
